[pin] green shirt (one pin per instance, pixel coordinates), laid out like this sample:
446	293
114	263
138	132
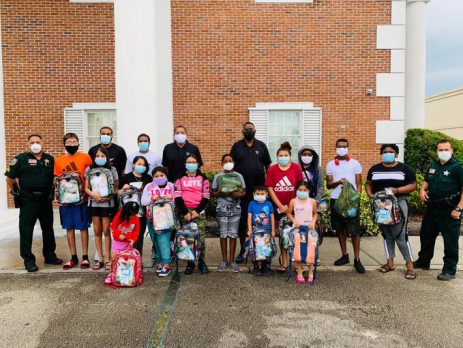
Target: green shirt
444	179
32	173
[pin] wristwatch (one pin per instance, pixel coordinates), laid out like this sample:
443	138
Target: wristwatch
458	209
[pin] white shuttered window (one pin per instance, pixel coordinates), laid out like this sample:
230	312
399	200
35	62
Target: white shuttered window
298	123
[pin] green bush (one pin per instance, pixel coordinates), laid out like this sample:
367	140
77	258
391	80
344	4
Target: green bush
420	148
416	206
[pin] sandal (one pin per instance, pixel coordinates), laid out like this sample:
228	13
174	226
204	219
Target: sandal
299	280
310	280
84	264
97	266
283	269
385	269
70	264
107	266
410	274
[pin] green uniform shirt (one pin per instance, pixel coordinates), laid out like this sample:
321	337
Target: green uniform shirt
444	179
33	174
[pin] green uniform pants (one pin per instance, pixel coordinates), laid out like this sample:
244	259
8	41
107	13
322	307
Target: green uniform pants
29	212
435	221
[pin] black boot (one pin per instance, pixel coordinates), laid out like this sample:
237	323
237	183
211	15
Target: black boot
190	267
202	266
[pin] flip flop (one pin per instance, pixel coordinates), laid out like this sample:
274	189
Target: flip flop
97	266
107	266
410	274
299	280
70	264
385	269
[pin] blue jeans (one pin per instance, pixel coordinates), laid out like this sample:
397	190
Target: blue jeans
161	242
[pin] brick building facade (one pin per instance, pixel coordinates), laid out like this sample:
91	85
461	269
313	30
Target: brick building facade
76	61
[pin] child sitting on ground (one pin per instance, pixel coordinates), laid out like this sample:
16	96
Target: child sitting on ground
125	227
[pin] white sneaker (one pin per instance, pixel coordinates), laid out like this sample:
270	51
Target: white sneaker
159	268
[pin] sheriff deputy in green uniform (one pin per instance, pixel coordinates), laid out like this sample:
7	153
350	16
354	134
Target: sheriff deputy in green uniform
30	178
442	191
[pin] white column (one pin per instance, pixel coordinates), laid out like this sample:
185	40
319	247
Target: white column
415	63
143	72
3	159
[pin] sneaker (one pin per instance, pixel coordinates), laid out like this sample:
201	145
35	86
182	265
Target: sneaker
165	271
222	267
190	267
241	256
445	277
343	260
234	267
159	268
256	271
265	270
358	266
56	261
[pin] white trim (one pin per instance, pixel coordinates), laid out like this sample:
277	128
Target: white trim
284	1
3	159
94	106
90	1
390	85
283	106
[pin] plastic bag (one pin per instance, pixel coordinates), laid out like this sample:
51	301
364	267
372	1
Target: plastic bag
347	205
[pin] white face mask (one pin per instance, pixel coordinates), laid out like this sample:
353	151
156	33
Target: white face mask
36	148
306	159
342	151
180	138
228	166
444	155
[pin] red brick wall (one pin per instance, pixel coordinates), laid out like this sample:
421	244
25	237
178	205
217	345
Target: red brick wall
228	55
54	54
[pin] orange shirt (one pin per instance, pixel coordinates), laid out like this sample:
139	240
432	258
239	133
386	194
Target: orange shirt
76	163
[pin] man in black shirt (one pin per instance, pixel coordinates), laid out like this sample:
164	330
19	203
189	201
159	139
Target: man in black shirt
117	154
252	160
174	154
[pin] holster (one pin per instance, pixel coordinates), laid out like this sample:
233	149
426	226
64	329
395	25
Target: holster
446	202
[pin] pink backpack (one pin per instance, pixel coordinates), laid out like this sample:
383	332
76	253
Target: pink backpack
126	269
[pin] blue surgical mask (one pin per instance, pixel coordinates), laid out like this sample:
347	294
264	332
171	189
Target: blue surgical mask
144	146
260	198
140	169
283	161
105	139
191	167
100	161
388	157
302	194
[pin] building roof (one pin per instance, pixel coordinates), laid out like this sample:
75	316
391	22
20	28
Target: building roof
448	94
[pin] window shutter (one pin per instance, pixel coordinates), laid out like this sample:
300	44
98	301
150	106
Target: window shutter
312	129
74	123
259	118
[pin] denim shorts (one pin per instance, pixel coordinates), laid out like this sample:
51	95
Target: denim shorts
228	217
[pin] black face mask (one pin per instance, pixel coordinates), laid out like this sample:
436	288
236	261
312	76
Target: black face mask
72	149
249	134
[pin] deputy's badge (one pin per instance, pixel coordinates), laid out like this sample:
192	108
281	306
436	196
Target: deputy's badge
47	161
14	161
446	173
257	152
432	171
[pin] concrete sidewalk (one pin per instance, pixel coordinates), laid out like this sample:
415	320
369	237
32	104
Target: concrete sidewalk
372	252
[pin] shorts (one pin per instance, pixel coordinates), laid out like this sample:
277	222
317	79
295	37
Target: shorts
74	217
101	212
340	223
228	217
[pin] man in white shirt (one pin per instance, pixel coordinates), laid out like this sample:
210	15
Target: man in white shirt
154	159
343	167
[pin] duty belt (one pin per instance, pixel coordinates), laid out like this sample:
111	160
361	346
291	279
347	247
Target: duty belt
446	202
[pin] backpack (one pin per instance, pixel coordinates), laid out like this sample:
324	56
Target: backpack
229	182
284	228
131	195
347	205
187	244
69	188
163	215
303	247
101	181
261	245
386	209
126	269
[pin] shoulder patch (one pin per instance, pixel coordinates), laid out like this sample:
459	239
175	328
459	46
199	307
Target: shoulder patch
14	161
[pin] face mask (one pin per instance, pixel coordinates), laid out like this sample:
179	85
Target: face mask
144	146
302	194
140	169
228	166
100	161
306	159
180	138
71	149
388	157
260	198
342	151
444	155
160	181
105	139
249	134
191	167
283	161
36	148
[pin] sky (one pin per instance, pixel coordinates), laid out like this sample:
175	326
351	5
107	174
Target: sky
444	65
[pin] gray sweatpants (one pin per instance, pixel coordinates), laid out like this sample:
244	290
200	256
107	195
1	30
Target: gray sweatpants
398	234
